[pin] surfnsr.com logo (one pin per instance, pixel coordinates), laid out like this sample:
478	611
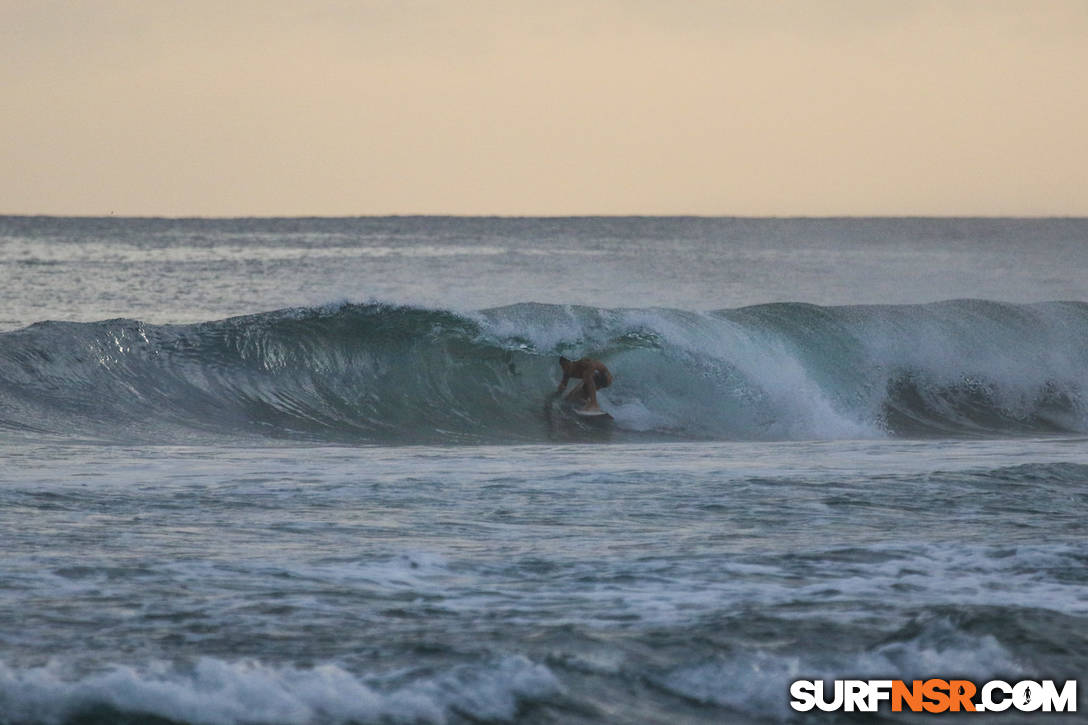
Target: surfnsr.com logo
934	696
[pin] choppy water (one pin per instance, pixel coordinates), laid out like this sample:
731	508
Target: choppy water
308	471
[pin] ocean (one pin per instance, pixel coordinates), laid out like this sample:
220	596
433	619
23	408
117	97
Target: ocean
313	470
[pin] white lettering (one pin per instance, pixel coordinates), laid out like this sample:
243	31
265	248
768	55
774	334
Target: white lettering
987	696
1065	701
804	695
994	696
855	695
879	690
1027	696
832	705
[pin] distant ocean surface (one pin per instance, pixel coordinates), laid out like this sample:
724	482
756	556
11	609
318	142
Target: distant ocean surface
312	470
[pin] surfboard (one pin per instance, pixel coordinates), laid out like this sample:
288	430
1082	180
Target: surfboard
572	401
593	414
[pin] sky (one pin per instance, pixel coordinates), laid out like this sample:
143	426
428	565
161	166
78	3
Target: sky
557	107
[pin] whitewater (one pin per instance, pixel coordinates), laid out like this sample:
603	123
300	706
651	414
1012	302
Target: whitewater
313	470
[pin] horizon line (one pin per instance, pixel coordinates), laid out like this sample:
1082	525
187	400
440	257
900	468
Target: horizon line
428	215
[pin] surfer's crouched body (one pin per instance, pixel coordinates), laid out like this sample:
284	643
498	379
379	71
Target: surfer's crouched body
593	374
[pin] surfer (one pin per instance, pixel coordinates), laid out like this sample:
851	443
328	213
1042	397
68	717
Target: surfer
594	376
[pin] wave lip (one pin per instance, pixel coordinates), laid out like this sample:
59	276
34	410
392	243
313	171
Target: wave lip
390	374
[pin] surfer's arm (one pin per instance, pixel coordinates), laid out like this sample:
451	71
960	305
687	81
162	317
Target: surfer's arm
563	382
589	388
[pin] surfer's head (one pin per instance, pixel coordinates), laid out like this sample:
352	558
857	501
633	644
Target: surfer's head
564	363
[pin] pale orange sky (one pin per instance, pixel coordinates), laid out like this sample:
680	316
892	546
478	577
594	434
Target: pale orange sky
840	107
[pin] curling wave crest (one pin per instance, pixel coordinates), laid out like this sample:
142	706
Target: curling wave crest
390	374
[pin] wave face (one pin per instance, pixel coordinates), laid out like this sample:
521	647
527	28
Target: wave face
386	374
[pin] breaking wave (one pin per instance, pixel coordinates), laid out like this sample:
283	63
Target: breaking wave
213	691
390	374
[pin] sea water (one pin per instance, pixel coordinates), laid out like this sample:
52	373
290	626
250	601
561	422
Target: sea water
312	471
